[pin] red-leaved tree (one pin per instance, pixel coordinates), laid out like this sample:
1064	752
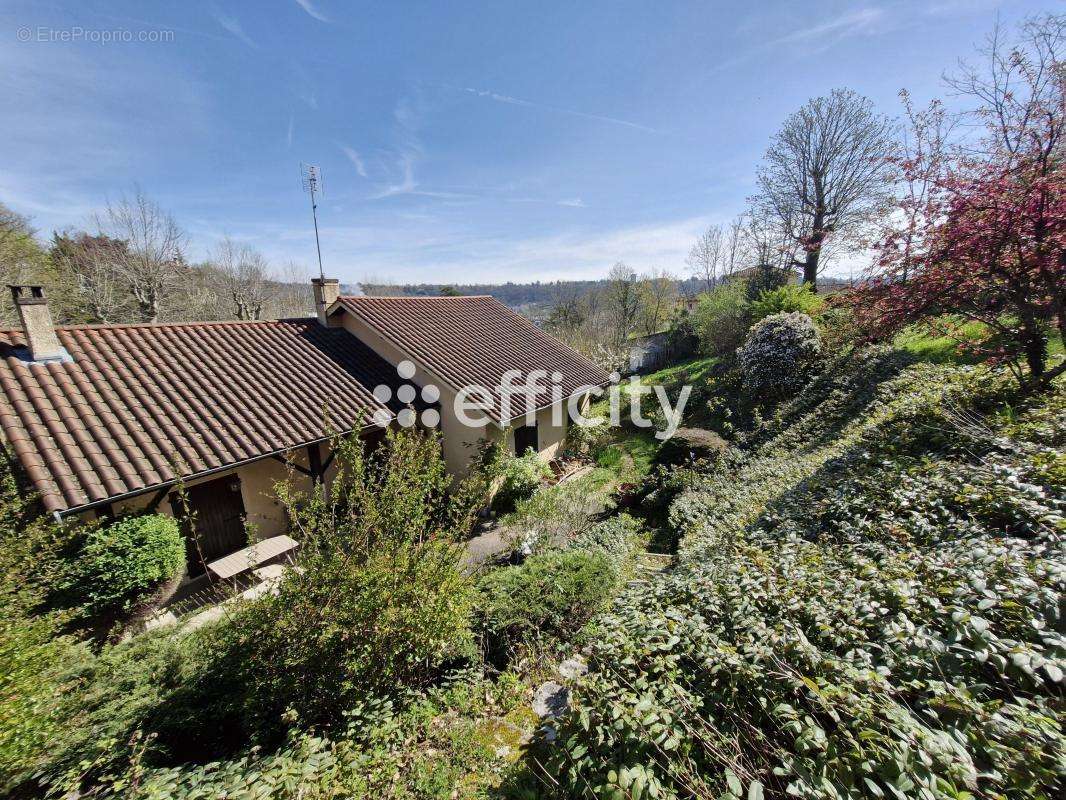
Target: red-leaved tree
979	233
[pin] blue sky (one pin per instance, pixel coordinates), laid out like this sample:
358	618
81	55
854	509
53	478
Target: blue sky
459	141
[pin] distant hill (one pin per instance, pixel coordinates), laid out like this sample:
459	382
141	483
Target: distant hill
516	295
532	297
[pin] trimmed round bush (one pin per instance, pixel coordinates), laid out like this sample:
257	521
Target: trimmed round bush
779	353
127	560
691	444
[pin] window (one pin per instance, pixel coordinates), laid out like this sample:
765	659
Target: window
525	437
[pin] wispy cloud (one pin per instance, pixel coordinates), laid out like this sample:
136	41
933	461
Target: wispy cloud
355	158
573	202
290	131
517	101
311	10
850	24
817	37
233	26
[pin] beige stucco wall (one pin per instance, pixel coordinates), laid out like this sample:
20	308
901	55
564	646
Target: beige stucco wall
459	442
264	515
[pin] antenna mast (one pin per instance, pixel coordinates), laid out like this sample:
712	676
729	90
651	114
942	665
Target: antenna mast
312	183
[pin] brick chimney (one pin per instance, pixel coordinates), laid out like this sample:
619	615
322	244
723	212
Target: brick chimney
37	323
327	290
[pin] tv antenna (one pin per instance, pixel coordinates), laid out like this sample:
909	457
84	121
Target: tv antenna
312	183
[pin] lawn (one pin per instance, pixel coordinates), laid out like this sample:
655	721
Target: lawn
923	343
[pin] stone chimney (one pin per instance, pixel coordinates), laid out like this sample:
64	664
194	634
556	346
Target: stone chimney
37	323
326	291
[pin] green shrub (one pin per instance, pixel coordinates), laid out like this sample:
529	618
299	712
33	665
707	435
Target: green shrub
778	355
379	602
520	477
721	318
552	594
124	562
866	603
786	299
615	538
766	278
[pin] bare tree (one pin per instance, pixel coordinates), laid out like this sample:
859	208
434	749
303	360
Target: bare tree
1020	90
245	277
87	266
734	247
766	242
658	299
622	300
706	256
152	264
825	175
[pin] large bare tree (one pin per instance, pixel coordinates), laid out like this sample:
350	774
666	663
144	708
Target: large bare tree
152	265
825	175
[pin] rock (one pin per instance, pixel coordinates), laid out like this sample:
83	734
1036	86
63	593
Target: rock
551	700
573	667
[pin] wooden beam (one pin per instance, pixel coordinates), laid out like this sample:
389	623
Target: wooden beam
328	461
154	504
314	459
288	463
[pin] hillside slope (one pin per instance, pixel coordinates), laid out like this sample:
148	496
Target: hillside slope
866	603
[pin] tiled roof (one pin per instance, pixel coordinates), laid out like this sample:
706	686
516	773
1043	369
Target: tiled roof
473	340
143	405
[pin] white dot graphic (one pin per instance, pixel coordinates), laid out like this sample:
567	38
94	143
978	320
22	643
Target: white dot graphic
430	393
382	393
406	393
382	418
430	418
405	369
406	418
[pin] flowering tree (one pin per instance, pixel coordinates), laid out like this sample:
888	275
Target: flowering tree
979	233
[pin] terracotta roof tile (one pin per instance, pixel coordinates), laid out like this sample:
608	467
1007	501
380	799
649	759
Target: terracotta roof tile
142	405
473	340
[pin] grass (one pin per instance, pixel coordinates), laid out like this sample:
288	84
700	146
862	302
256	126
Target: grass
926	345
692	370
629	456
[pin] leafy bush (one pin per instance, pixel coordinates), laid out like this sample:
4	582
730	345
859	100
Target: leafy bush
123	563
721	318
379	602
778	354
519	477
615	538
786	299
551	594
867	603
766	278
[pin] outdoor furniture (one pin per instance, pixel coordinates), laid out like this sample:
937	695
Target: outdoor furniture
250	557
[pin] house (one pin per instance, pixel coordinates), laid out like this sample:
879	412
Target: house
111	418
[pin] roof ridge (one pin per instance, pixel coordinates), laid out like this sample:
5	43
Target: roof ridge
202	323
416	297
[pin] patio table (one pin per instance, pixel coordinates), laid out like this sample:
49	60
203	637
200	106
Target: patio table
252	556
